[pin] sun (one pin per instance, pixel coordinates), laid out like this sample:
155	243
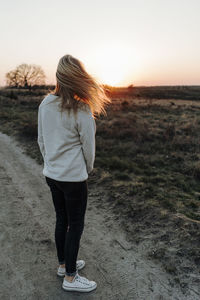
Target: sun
113	63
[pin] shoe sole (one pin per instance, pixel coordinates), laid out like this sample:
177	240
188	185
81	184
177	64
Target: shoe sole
62	275
79	289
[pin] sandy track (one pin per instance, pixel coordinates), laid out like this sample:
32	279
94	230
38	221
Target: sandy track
28	254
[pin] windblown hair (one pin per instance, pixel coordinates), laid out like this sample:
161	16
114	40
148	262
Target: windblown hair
77	88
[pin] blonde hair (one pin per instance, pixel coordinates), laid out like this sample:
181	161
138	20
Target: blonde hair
77	88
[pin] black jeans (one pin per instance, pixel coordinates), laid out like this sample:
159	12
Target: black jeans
70	202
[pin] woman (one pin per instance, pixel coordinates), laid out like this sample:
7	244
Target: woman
66	138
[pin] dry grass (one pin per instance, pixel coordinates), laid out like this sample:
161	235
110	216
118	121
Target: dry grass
151	149
147	159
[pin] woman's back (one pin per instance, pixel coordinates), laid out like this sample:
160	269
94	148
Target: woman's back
66	137
67	141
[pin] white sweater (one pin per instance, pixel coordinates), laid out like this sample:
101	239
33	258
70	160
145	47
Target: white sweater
67	144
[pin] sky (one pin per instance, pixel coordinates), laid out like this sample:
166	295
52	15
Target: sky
120	42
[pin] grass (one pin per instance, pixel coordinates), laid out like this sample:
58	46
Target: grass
150	152
159	146
156	92
147	161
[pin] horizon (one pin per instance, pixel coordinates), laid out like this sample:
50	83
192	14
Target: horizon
144	43
117	87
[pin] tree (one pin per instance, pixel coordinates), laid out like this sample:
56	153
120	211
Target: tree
131	86
11	78
26	76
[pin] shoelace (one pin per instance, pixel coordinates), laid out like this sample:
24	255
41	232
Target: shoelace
82	279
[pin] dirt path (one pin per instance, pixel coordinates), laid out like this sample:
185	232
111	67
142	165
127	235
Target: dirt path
28	254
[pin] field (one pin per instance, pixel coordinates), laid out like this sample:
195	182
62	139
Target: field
147	160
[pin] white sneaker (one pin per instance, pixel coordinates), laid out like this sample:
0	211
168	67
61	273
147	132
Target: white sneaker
79	284
79	265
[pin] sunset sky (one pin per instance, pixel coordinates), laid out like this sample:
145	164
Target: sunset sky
141	42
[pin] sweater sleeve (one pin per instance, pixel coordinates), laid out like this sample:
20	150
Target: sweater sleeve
87	130
40	136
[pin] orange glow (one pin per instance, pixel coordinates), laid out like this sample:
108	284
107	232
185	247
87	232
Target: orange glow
114	63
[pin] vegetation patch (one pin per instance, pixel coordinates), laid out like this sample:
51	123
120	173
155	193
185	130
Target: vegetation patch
147	160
